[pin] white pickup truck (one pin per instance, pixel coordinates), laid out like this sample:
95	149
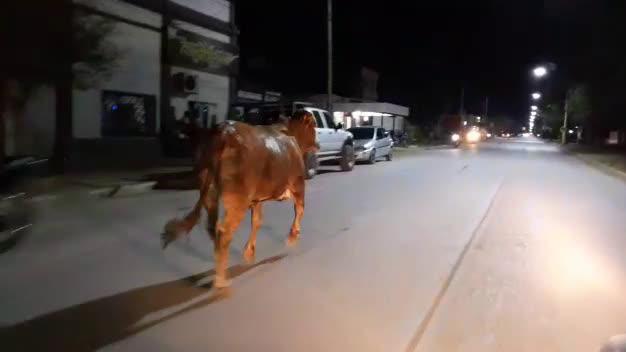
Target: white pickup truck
334	142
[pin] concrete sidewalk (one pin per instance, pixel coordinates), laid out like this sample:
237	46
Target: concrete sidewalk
99	184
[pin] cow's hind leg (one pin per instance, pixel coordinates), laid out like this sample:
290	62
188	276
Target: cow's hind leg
298	206
235	210
257	218
211	206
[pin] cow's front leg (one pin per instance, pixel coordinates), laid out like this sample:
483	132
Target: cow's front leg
298	207
225	230
257	220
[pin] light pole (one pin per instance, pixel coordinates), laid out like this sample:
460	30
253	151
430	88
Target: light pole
329	29
540	71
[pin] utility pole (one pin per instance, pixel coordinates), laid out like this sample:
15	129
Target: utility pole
486	109
164	108
564	127
462	103
329	30
63	89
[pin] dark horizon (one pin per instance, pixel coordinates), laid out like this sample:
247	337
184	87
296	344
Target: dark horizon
424	54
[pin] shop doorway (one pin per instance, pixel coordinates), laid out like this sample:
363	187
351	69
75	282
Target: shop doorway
203	114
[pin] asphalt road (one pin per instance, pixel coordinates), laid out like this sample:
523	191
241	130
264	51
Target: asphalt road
508	246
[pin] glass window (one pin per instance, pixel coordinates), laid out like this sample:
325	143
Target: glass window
329	121
380	133
318	119
362	132
128	115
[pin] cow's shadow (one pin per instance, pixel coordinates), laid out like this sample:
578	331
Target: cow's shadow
98	323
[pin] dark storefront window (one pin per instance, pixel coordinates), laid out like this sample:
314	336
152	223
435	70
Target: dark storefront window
128	115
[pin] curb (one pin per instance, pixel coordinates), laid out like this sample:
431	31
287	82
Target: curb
418	148
121	190
435	147
132	189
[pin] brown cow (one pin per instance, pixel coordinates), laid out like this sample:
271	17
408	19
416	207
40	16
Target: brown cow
246	165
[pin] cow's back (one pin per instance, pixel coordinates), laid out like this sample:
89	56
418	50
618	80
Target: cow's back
261	161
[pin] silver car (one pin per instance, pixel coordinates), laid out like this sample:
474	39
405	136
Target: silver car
371	144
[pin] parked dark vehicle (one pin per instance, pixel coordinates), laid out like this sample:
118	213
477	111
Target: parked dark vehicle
16	214
400	139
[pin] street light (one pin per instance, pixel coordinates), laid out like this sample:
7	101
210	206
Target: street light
533	113
536	96
534	108
540	71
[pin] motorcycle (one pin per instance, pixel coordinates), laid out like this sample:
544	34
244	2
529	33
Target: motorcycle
15	211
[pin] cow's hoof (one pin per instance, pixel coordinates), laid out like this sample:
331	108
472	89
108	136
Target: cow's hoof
292	239
221	282
249	252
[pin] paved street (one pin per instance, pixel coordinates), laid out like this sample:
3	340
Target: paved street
508	246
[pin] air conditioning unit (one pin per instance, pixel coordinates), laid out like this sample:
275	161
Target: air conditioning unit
185	84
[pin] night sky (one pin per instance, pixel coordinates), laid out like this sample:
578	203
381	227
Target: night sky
425	51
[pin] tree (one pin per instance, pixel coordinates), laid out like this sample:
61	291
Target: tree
578	105
52	42
552	118
95	57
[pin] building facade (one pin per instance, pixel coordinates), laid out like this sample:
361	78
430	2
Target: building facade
173	58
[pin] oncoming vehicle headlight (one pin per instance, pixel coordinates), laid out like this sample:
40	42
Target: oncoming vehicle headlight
473	136
455	137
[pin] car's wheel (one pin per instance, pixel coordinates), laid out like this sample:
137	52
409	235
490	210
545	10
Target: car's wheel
310	165
389	156
372	158
347	158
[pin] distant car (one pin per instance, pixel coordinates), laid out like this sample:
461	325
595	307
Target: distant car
473	136
371	143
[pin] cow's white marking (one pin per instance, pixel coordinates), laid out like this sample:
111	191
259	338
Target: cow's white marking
272	144
286	195
229	127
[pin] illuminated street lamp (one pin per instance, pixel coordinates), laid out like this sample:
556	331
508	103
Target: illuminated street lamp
533	113
536	96
540	71
534	108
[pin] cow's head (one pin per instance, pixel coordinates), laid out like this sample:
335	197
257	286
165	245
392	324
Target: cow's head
302	127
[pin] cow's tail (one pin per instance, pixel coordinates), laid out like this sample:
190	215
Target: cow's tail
207	169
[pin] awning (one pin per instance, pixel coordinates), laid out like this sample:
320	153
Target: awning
383	108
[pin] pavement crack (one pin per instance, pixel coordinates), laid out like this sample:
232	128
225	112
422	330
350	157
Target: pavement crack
421	330
465	167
